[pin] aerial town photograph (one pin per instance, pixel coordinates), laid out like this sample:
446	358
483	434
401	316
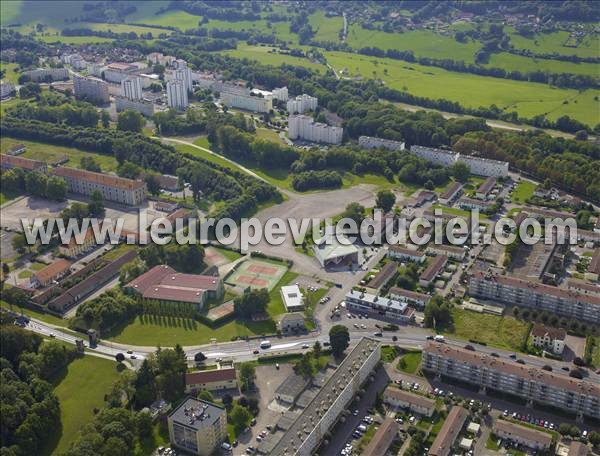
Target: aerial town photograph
300	227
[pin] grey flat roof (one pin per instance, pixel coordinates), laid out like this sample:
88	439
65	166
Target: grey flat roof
196	414
293	385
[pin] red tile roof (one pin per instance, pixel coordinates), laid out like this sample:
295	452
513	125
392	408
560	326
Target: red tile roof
20	162
434	267
455	420
451	190
553	333
595	263
382	439
52	270
99	178
209	376
526	433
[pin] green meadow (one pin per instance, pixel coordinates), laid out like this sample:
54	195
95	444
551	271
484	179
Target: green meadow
267	56
326	28
528	99
547	43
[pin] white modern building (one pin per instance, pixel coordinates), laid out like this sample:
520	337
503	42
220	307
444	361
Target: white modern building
45	74
117	71
292	298
329	251
484	166
184	74
90	88
358	301
146	108
246	101
439	156
78	63
304	127
301	104
131	88
177	95
371	142
280	94
159	58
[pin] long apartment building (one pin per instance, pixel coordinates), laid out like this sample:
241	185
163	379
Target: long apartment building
527	293
90	88
112	188
26	164
145	108
534	384
304	127
247	102
477	165
358	301
371	142
46	74
308	430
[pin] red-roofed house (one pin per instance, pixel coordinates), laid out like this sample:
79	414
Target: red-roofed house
210	380
162	283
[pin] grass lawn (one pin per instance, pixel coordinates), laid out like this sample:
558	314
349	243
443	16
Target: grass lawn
152	330
10	75
202	141
269	56
596	353
231	255
388	354
25	274
49	153
409	362
74	39
6	197
80	388
276	306
269	135
423	43
502	332
46	318
523	191
117	251
326	28
547	43
526	98
512	62
492	443
457	212
217	159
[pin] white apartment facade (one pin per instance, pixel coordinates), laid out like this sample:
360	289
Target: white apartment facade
301	104
146	108
117	71
529	382
280	93
131	88
246	101
177	95
90	88
42	74
371	142
399	398
439	156
485	166
304	127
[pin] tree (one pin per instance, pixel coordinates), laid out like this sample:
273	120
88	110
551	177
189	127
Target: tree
90	164
144	424
199	357
305	367
120	357
385	200
96	205
461	171
35	183
239	417
153	183
247	374
356	212
339	338
56	188
437	312
251	302
130	120
227	400
19	242
317	349
594	438
105	119
206	396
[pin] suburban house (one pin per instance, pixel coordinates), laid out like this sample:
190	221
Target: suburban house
50	273
416	403
291	323
211	380
549	338
522	435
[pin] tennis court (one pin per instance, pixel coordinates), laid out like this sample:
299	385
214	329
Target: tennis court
256	274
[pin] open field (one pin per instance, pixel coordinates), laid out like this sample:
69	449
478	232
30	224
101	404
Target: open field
547	43
280	29
410	362
502	332
9	72
423	43
523	191
264	55
57	38
326	28
514	62
80	388
527	98
49	153
153	330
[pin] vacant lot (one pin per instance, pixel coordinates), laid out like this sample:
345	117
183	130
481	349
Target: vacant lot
526	98
50	153
80	389
502	332
523	191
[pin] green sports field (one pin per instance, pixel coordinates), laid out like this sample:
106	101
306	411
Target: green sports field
528	99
